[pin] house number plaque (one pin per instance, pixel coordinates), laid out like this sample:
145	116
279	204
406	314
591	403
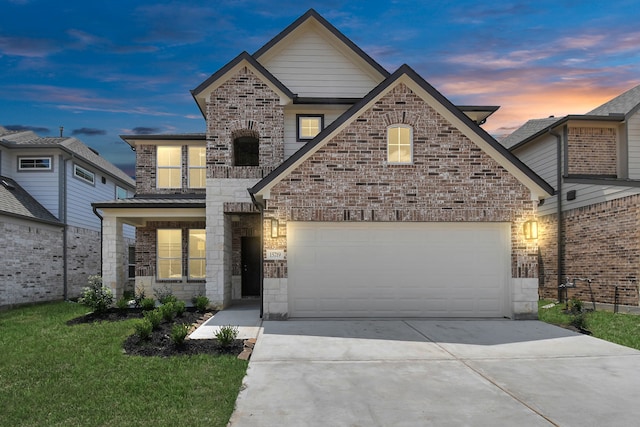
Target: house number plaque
275	254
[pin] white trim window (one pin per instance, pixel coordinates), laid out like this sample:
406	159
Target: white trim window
169	244
84	174
169	167
121	193
197	167
197	253
309	125
400	144
35	163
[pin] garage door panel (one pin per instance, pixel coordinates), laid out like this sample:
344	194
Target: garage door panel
398	269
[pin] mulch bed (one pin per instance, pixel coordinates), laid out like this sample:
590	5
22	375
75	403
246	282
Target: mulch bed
160	343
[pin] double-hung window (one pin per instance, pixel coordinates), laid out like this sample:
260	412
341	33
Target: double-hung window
197	167
197	253
399	144
169	167
169	254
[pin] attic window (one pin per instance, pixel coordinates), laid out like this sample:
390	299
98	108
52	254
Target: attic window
246	151
399	144
34	163
84	174
309	125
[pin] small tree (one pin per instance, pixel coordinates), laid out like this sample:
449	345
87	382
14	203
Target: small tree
96	296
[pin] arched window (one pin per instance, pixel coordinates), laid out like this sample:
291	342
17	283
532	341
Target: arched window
246	151
399	144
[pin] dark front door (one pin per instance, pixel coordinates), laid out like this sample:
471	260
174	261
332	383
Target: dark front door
250	258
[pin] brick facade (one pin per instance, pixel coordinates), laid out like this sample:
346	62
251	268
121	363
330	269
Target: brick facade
244	105
32	268
600	243
450	180
146	166
592	151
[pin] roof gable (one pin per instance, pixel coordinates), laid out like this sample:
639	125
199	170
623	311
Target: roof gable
621	104
16	201
313	22
432	97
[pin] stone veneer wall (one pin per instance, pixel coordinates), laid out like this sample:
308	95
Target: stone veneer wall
146	253
451	179
32	262
601	243
592	151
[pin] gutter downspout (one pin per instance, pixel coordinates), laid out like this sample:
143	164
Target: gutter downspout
95	211
560	246
62	191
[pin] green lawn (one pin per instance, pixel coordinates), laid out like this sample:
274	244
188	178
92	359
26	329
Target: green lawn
619	328
58	375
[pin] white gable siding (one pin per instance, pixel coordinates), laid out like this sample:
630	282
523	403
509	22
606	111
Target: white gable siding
42	185
311	67
290	124
633	130
540	156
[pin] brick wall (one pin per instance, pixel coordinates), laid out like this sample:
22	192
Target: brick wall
244	104
592	151
32	265
451	179
601	243
83	258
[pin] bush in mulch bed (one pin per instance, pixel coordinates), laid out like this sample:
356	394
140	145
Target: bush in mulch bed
160	342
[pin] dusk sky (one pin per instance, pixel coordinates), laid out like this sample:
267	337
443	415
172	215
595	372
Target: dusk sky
105	68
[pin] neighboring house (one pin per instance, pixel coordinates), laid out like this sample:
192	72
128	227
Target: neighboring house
326	186
593	162
50	238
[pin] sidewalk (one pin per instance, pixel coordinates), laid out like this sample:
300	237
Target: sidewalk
245	317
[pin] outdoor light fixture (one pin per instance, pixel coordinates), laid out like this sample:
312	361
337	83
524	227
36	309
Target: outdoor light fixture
530	229
274	227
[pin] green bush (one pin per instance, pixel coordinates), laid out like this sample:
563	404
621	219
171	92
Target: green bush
143	329
226	335
123	304
154	317
96	296
579	321
575	306
201	302
179	307
147	304
164	295
179	333
167	311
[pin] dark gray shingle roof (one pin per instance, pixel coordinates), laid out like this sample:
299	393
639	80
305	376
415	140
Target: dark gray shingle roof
16	201
622	104
527	130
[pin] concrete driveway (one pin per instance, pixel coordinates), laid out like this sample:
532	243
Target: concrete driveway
436	372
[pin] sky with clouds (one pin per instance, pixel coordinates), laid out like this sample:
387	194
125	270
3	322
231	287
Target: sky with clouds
105	68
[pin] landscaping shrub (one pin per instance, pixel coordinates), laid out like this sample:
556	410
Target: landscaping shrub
579	321
179	307
96	296
226	335
147	304
201	302
575	306
123	304
167	311
164	295
143	329
179	333
154	317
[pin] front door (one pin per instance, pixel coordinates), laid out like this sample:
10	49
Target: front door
250	262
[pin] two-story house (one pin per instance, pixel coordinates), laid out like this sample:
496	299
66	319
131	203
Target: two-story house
589	229
50	237
326	186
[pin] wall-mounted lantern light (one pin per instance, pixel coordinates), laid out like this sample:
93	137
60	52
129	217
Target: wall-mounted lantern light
274	227
530	229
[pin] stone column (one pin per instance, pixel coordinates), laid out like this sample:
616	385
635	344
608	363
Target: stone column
113	249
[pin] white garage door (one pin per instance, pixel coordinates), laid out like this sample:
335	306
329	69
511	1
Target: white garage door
398	269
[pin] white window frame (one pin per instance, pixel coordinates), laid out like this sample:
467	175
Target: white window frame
22	167
201	168
160	168
159	258
410	144
200	256
84	174
131	262
299	120
118	190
